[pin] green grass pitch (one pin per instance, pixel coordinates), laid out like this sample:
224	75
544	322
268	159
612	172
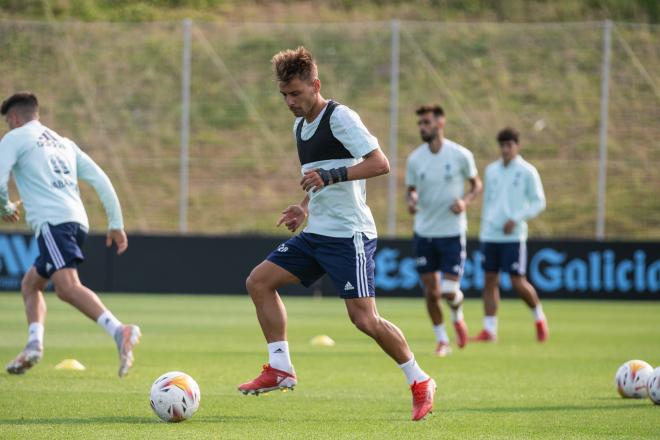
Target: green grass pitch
514	389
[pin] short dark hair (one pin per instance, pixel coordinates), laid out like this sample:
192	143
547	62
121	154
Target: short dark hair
298	63
508	134
430	108
26	103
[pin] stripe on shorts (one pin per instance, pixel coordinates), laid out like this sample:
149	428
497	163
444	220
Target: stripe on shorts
53	250
360	266
522	258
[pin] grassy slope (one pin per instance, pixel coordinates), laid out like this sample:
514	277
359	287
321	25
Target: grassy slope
514	389
486	77
333	10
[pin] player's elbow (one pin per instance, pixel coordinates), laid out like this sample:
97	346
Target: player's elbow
383	166
542	205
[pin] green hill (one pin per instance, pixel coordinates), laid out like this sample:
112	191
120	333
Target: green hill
115	88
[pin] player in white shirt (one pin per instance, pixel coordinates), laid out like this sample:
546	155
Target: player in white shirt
337	153
513	195
46	169
436	173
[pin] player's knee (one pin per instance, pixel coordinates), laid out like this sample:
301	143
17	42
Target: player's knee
65	290
63	293
28	286
451	289
364	322
518	282
255	283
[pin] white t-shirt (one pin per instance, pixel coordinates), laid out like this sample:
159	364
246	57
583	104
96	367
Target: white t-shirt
512	192
439	179
340	209
46	169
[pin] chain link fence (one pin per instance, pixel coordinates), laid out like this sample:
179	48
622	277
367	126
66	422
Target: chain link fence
116	89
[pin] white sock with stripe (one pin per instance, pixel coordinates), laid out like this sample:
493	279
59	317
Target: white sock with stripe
413	371
457	314
109	323
36	333
441	333
538	312
490	324
278	356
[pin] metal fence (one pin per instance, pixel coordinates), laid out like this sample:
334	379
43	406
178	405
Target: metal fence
186	118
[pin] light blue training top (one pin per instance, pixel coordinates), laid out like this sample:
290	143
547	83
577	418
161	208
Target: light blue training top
46	168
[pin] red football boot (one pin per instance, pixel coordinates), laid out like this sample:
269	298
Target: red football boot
270	379
442	349
484	336
542	331
461	333
423	393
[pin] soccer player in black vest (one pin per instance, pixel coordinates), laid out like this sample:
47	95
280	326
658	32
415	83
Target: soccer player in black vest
337	154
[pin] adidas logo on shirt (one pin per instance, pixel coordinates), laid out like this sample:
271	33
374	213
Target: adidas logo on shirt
349	286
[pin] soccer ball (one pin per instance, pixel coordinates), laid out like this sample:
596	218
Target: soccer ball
631	378
175	396
653	386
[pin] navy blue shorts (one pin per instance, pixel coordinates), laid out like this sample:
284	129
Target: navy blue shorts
505	257
59	247
446	254
348	261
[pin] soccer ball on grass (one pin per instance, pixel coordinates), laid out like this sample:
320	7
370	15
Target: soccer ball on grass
175	396
632	377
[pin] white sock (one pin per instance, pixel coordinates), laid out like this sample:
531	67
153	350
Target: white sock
413	372
278	356
109	323
441	333
490	324
457	315
538	312
36	332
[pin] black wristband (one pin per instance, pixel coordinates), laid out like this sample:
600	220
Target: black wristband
325	176
333	175
343	174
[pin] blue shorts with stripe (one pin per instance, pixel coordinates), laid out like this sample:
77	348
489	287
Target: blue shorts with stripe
444	254
348	261
59	247
508	257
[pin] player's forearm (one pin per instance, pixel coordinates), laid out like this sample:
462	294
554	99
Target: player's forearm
6	206
411	194
374	164
534	208
305	202
91	173
106	192
475	189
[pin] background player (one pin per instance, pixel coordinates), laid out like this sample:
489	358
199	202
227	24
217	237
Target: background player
436	172
46	169
337	153
513	195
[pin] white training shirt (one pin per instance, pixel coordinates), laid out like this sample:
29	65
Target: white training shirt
340	209
439	179
512	192
46	169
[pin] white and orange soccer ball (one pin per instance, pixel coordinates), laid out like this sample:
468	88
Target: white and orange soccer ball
653	386
175	396
632	377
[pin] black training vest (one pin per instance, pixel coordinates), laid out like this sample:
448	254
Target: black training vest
323	145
